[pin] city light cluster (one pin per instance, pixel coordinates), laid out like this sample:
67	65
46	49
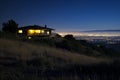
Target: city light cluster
89	33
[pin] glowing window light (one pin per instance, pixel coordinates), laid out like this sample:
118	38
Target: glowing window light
37	31
42	31
48	32
20	31
31	31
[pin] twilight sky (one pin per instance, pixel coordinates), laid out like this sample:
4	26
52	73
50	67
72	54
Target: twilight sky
63	15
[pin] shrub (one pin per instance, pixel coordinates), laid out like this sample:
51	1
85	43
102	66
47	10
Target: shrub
69	37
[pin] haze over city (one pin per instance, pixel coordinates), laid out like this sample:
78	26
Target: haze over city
63	15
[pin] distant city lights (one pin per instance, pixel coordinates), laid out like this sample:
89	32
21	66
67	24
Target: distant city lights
76	34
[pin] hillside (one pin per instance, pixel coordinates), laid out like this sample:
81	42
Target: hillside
26	61
26	51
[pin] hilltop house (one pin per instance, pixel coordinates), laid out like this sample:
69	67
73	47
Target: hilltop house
35	30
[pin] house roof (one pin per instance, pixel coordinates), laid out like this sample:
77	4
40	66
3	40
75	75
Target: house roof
35	27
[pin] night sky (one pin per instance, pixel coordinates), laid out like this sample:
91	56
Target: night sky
63	15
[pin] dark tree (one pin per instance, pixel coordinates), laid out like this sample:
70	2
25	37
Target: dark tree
10	26
69	37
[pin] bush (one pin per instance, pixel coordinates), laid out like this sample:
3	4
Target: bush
69	37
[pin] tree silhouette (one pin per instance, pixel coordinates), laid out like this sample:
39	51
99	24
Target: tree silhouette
69	37
10	26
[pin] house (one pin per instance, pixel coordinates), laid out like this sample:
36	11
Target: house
35	30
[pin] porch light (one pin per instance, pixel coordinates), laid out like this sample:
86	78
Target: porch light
29	37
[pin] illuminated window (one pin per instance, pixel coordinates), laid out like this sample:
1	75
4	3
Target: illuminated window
37	31
42	31
31	31
48	32
20	31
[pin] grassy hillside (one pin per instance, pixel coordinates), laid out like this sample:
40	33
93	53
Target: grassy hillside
26	51
25	61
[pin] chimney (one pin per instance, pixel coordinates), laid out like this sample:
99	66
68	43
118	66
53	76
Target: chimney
45	26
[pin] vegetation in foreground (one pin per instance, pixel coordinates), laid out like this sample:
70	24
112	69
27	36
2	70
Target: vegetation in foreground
26	61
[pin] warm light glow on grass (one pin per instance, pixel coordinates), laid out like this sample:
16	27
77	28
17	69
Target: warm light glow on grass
29	37
20	31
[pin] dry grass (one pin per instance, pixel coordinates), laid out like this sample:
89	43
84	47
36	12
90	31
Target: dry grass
27	51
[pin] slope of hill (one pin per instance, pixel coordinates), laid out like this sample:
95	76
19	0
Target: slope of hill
26	51
24	61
